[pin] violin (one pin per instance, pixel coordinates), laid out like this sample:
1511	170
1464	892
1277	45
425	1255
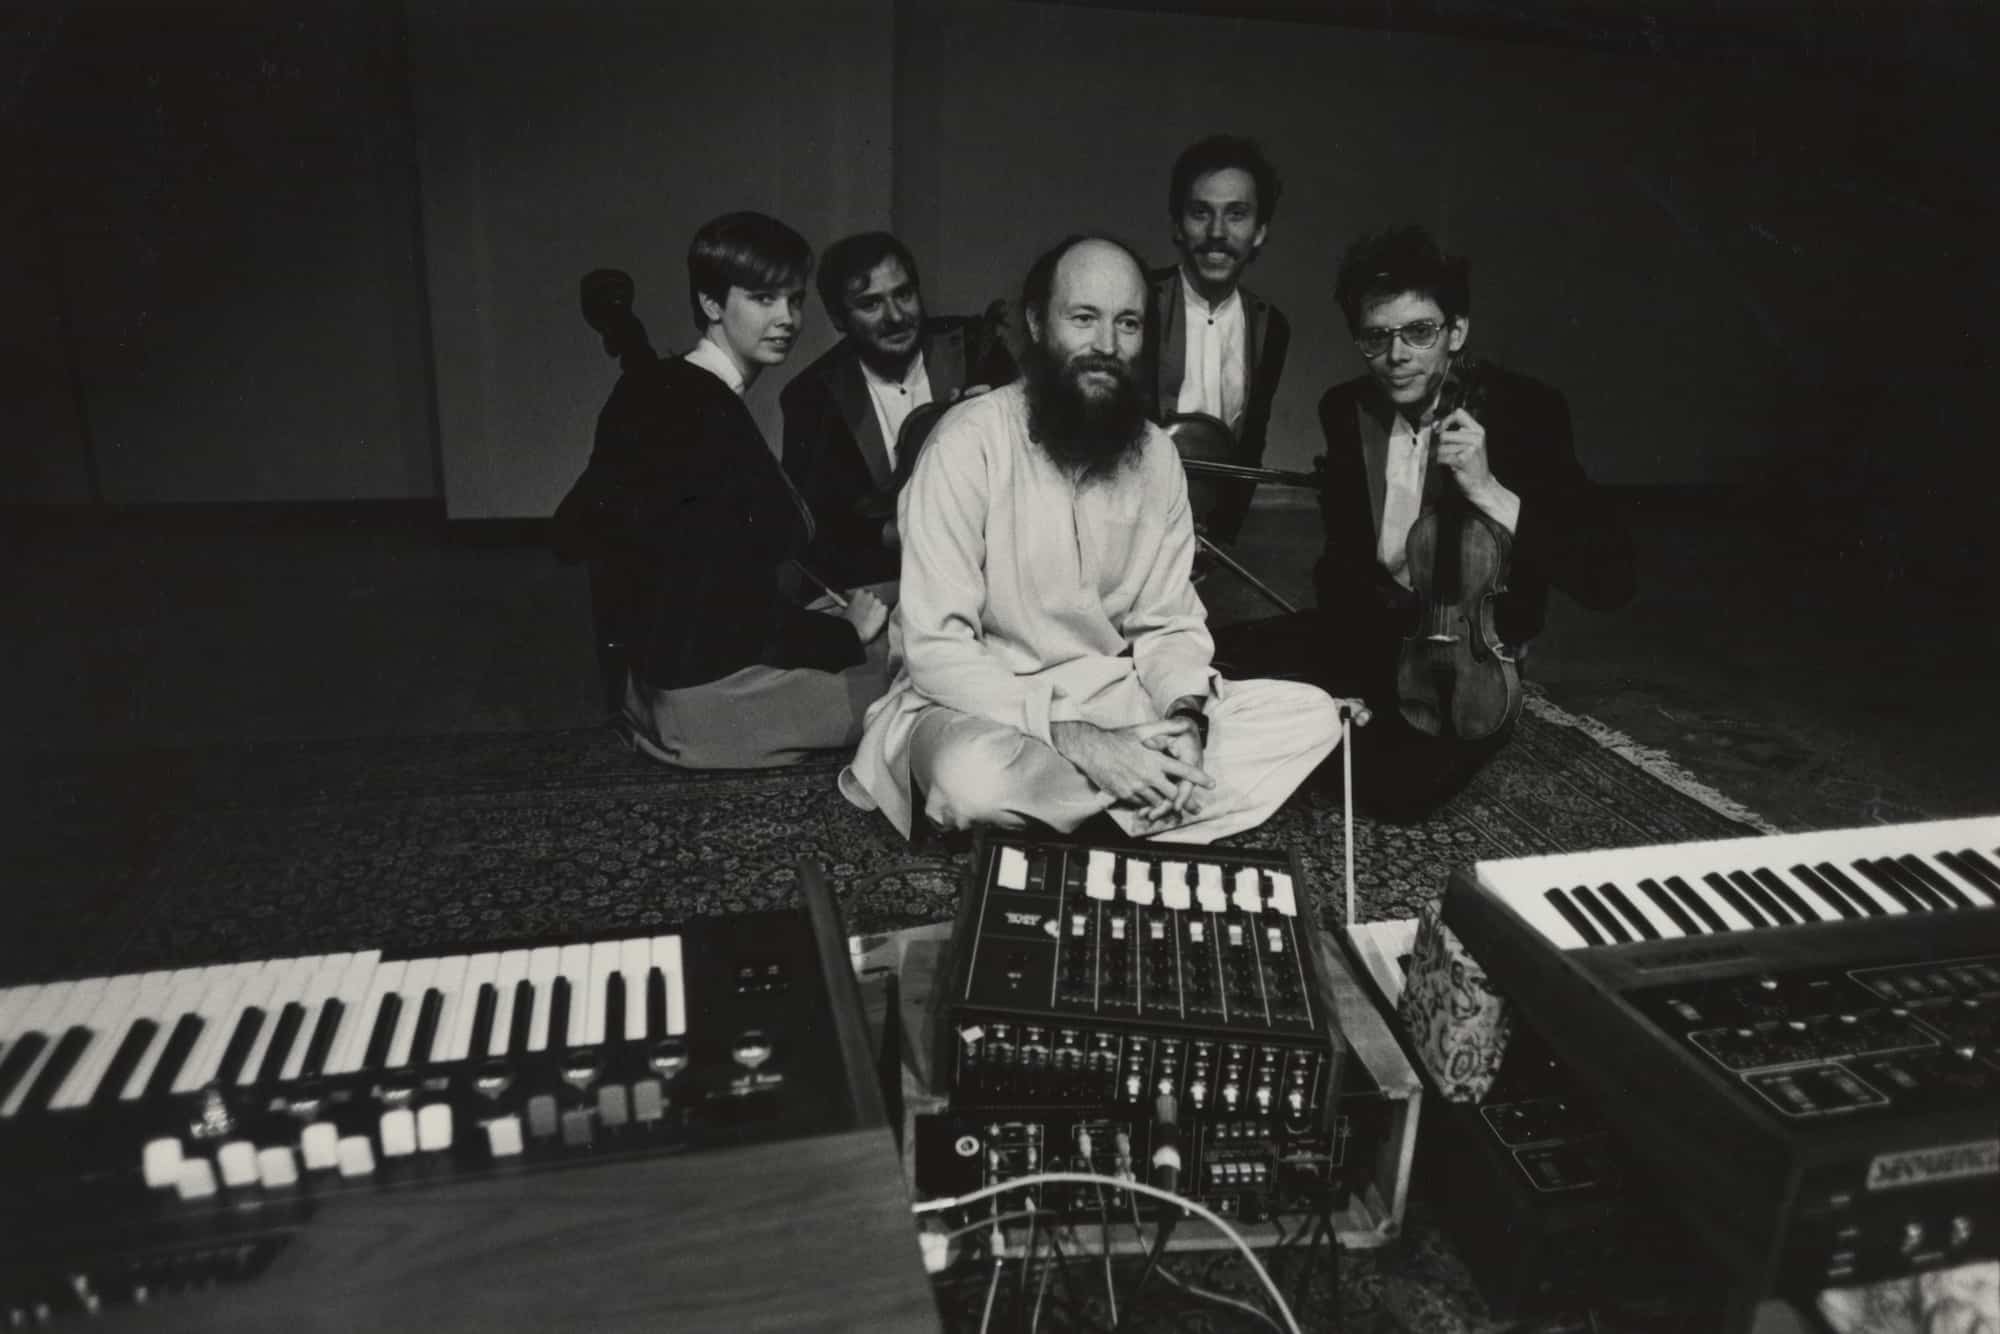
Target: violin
1453	675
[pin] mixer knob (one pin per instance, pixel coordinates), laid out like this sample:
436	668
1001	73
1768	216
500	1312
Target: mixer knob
1133	1084
752	1049
1913	1237
1198	1093
1961	1230
1230	1093
493	1079
670	1056
580	1067
1264	1098
1296	1100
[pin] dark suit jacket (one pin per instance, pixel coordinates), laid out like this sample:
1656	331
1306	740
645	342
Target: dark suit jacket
1267	337
835	453
1568	534
683	509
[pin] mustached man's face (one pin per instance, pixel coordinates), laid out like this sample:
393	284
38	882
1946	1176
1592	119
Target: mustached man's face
885	317
1218	232
1084	403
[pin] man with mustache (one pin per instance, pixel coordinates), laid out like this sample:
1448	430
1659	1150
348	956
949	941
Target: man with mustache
845	412
1220	348
1056	658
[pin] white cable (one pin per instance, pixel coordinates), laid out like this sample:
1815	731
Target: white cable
1347	804
992	1288
1091	1178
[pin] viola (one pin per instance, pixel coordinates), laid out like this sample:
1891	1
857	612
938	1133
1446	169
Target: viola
1454	677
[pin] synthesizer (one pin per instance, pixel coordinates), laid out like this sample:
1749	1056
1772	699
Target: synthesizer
1799	1035
1106	975
312	1125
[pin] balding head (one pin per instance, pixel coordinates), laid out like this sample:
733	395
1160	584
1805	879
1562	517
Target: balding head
1085	302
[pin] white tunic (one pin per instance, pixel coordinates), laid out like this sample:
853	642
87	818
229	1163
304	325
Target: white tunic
1022	592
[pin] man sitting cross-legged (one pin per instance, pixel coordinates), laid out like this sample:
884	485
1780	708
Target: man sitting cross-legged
1056	654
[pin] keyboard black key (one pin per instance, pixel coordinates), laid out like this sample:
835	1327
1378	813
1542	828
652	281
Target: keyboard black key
1666	904
124	1061
1921	870
1560	901
1838	879
425	1037
1763	898
319	1048
487	1006
559	1014
376	1054
240	1043
1915	885
1891	885
1700	906
56	1069
1980	866
614	1008
1734	898
656	1005
524	1017
290	1020
27	1049
1785	894
1966	868
1836	900
1602	914
179	1043
1640	923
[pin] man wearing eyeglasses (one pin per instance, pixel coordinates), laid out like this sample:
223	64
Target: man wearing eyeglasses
1508	452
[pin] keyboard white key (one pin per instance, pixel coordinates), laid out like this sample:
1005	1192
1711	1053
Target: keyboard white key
185	988
449	983
112	1021
327	979
480	971
667	958
605	958
635	964
507	979
217	1009
417	976
575	964
48	1015
544	967
386	981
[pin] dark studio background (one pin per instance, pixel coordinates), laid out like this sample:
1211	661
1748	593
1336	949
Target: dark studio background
298	256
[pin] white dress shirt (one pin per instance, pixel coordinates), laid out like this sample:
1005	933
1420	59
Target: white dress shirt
1402	495
1212	379
894	400
709	355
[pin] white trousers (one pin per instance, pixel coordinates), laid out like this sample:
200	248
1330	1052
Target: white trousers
1264	738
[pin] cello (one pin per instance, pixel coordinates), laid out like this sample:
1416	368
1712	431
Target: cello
1454	676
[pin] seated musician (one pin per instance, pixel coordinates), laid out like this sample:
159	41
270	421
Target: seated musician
1220	347
845	412
685	510
1507	452
1056	655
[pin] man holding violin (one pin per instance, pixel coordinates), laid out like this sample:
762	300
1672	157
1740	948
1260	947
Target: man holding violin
1432	455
